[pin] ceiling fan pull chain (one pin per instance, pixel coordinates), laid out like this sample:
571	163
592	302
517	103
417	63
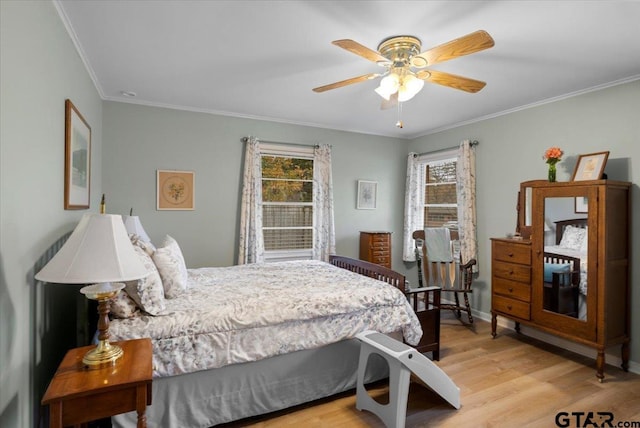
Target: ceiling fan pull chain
399	123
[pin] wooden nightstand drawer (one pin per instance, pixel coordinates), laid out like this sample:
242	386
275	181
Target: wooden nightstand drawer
511	271
516	290
512	252
511	307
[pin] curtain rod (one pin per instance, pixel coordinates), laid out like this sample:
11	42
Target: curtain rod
245	139
473	144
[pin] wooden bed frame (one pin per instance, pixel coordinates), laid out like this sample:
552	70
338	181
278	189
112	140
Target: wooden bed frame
371	270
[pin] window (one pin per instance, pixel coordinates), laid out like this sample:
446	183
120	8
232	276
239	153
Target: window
287	205
440	199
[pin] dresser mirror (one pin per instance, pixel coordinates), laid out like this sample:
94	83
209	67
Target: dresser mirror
565	255
561	225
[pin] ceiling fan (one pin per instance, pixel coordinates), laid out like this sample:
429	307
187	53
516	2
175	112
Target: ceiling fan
405	72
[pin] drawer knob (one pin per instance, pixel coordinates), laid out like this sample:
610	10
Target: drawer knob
510	289
509	307
510	254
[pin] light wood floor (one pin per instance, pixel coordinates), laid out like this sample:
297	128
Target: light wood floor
510	381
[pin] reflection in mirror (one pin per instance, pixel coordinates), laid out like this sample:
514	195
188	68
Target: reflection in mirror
565	257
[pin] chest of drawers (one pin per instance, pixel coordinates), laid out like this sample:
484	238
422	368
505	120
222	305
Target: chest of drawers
511	278
375	247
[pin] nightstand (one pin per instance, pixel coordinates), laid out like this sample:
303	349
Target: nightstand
78	394
426	304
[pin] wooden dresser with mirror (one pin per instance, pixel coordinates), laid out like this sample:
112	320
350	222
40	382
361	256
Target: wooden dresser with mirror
570	277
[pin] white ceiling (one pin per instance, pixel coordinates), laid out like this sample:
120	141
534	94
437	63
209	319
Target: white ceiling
260	59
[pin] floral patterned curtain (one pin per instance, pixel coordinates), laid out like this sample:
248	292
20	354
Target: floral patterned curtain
413	212
466	189
251	238
324	236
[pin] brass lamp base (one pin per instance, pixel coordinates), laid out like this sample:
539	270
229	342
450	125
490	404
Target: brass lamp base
105	353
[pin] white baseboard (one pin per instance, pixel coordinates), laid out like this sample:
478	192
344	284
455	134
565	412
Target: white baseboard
611	359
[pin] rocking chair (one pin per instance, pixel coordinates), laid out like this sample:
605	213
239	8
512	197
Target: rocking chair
453	277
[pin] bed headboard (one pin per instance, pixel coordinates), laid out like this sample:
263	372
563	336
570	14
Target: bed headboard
561	224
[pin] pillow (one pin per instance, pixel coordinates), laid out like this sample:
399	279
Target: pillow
147	292
572	238
549	268
584	248
173	270
123	306
148	247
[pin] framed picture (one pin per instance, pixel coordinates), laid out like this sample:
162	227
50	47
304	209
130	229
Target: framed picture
582	205
590	167
175	190
367	195
77	159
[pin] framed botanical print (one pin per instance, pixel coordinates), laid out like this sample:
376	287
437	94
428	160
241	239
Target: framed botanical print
367	195
77	159
175	190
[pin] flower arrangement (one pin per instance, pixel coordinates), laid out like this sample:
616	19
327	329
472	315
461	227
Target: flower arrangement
552	156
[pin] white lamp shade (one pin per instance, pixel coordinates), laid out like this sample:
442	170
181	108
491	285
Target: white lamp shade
133	225
98	250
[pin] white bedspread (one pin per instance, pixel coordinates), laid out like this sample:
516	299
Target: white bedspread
245	313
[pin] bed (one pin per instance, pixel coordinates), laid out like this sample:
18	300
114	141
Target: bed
565	269
247	340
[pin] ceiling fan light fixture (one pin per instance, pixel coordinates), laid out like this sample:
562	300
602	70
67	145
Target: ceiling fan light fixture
389	85
410	86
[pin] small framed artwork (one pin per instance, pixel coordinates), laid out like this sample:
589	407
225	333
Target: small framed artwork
590	167
77	159
582	205
175	190
367	195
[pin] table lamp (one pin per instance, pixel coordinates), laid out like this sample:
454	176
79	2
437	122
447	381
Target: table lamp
132	225
98	252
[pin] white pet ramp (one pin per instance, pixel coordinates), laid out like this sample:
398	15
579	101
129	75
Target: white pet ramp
403	360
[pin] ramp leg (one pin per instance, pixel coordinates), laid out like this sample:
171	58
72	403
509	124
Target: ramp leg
394	413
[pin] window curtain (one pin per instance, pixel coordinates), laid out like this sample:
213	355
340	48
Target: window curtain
324	236
466	189
251	238
413	212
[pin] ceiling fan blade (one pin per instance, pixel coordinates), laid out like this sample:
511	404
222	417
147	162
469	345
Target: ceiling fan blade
342	83
465	45
358	49
451	80
391	102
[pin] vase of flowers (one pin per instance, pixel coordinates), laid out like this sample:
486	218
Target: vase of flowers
552	156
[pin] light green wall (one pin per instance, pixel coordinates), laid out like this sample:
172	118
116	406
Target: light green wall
39	69
511	149
139	140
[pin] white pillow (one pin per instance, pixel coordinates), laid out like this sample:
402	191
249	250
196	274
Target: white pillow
572	238
147	292
172	267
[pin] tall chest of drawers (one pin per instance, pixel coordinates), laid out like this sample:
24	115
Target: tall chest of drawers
375	247
510	279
